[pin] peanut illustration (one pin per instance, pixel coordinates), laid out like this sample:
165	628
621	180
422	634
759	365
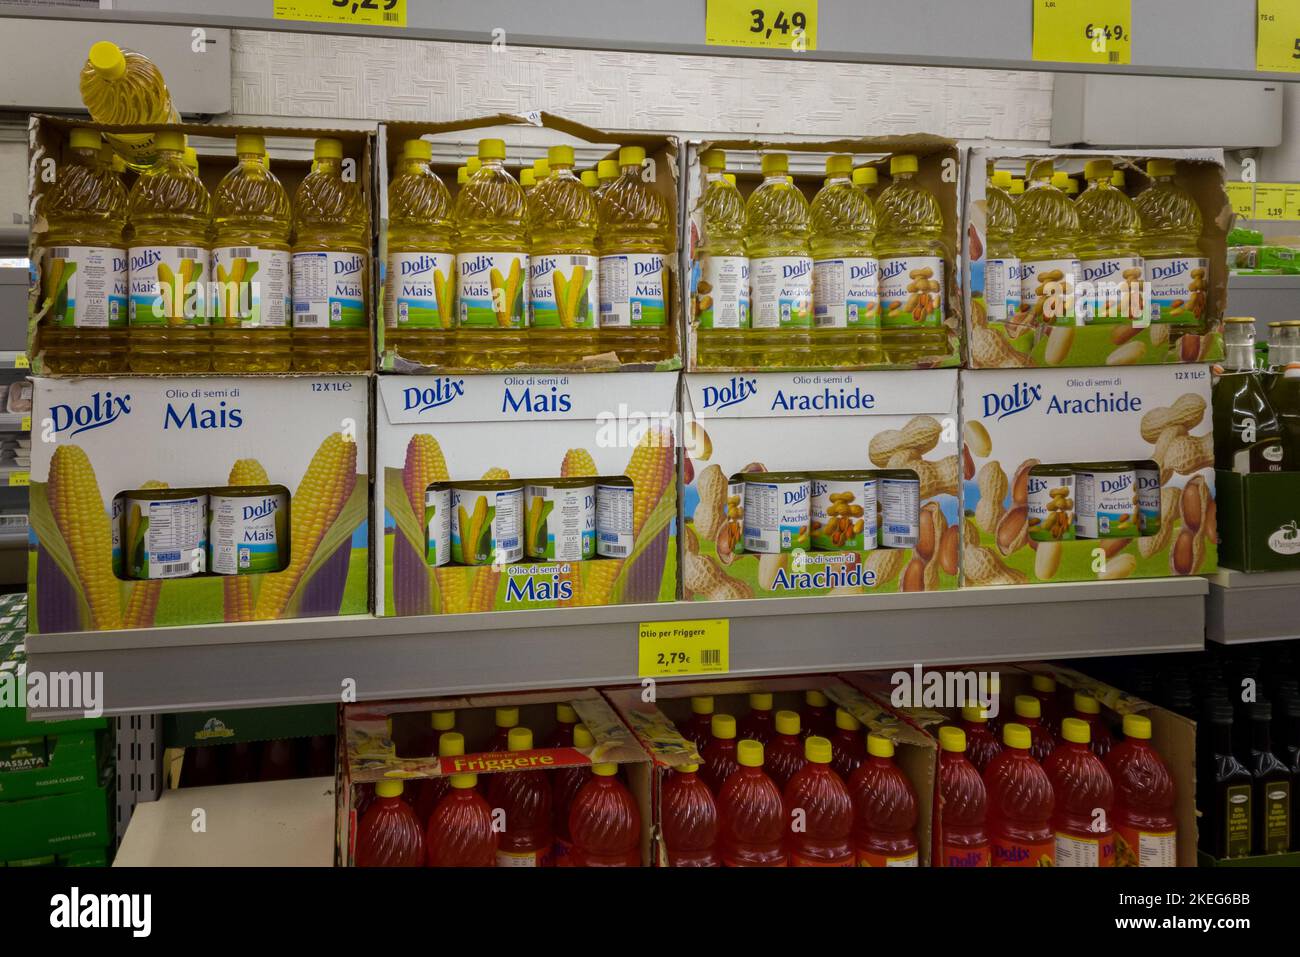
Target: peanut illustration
1122	566
992	482
918	436
990	350
712	510
701	575
1013	530
885	563
1186	455
976	438
1059	343
1047	559
1186	413
1020	482
983	566
1130	353
1154	544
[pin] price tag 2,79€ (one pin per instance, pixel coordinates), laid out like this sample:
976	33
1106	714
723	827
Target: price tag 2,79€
666	648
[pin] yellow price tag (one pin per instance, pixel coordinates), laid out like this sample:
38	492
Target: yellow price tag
1270	201
19	478
769	24
1277	36
375	13
21	361
1293	202
1083	31
1242	198
26	423
683	648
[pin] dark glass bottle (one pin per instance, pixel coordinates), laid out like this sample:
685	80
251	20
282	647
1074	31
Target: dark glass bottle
1227	805
1247	433
1272	787
1291	758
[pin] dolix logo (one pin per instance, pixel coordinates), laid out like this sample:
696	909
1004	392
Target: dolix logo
737	390
1002	404
104	408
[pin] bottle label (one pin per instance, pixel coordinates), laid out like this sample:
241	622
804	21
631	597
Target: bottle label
871	859
722	296
783	292
521	858
615	513
1002	288
561	291
800	860
963	855
252	286
86	286
491	289
1074	851
1110	289
1236	821
172	537
329	290
168	285
1024	853
1277	817
846	293
1178	288
1047	288
1137	848
632	289
419	291
1266	455
911	292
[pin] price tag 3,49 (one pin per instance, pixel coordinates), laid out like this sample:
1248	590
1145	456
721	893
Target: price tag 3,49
770	24
667	648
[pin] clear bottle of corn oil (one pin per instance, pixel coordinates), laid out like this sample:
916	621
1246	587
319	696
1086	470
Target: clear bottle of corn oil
331	260
722	290
84	270
120	87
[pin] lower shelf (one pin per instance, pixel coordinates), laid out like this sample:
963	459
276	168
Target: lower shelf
1243	608
315	660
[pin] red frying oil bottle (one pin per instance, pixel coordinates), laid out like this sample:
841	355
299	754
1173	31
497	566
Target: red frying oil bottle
884	809
757	724
783	755
1085	799
1029	712
1146	828
818	812
565	784
720	753
430	791
751	813
524	797
389	834
1088	709
817	717
689	819
960	834
847	748
566	719
460	832
605	822
698	728
981	743
1020	804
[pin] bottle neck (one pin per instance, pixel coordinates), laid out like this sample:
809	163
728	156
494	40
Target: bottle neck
839	179
1239	356
714	176
1221	738
326	164
1260	738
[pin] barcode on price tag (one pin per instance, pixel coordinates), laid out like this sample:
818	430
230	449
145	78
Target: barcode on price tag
683	647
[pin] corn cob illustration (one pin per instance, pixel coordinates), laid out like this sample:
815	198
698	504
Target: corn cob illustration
237	590
453	587
325	487
74	498
578	463
424	465
142	602
561	286
495	474
651	470
484	591
442	288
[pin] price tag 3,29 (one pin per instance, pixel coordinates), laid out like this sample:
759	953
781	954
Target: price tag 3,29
667	648
376	13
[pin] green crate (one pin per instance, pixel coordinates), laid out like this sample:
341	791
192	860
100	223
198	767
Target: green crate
200	728
1259	860
93	857
1259	520
57	824
75	762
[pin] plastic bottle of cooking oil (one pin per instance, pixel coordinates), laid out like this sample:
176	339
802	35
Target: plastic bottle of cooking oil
1047	229
909	245
563	289
120	86
528	178
867	178
846	298
722	293
541	169
170	213
636	230
777	239
1117	178
1001	265
462	175
420	275
1176	268
251	266
491	264
84	272
1110	265
330	261
1017	188
606	173
589	180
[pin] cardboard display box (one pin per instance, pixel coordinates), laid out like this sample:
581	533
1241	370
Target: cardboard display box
75	763
818	421
307	436
58	823
104	351
1015	421
653	724
370	735
424	351
536	426
938	160
1260	520
1024	339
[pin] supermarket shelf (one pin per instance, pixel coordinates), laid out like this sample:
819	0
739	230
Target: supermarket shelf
13	360
1267	298
311	660
1244	608
14	421
994	34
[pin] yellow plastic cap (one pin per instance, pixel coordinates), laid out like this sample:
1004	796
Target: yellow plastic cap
607	169
417	150
388	788
839	163
817	750
443	720
170	140
974	714
565	714
451	744
462	176
506	717
865	176
192	158
1076	731
631	156
542	167
328	148
491	149
952	739
774	163
1060	180
83	139
463	782
723	726
1086	703
1017	186
108	59
845	721
527	177
1002	178
582	737
1117	179
250	143
730	178
589	179
519	739
749	753
473	164
1161	167
760	701
606	769
1071	186
879	746
1044	683
559	156
714	159
903	163
1027	706
1098	169
1016	736
815	699
702	704
787	722
1137	726
689	768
